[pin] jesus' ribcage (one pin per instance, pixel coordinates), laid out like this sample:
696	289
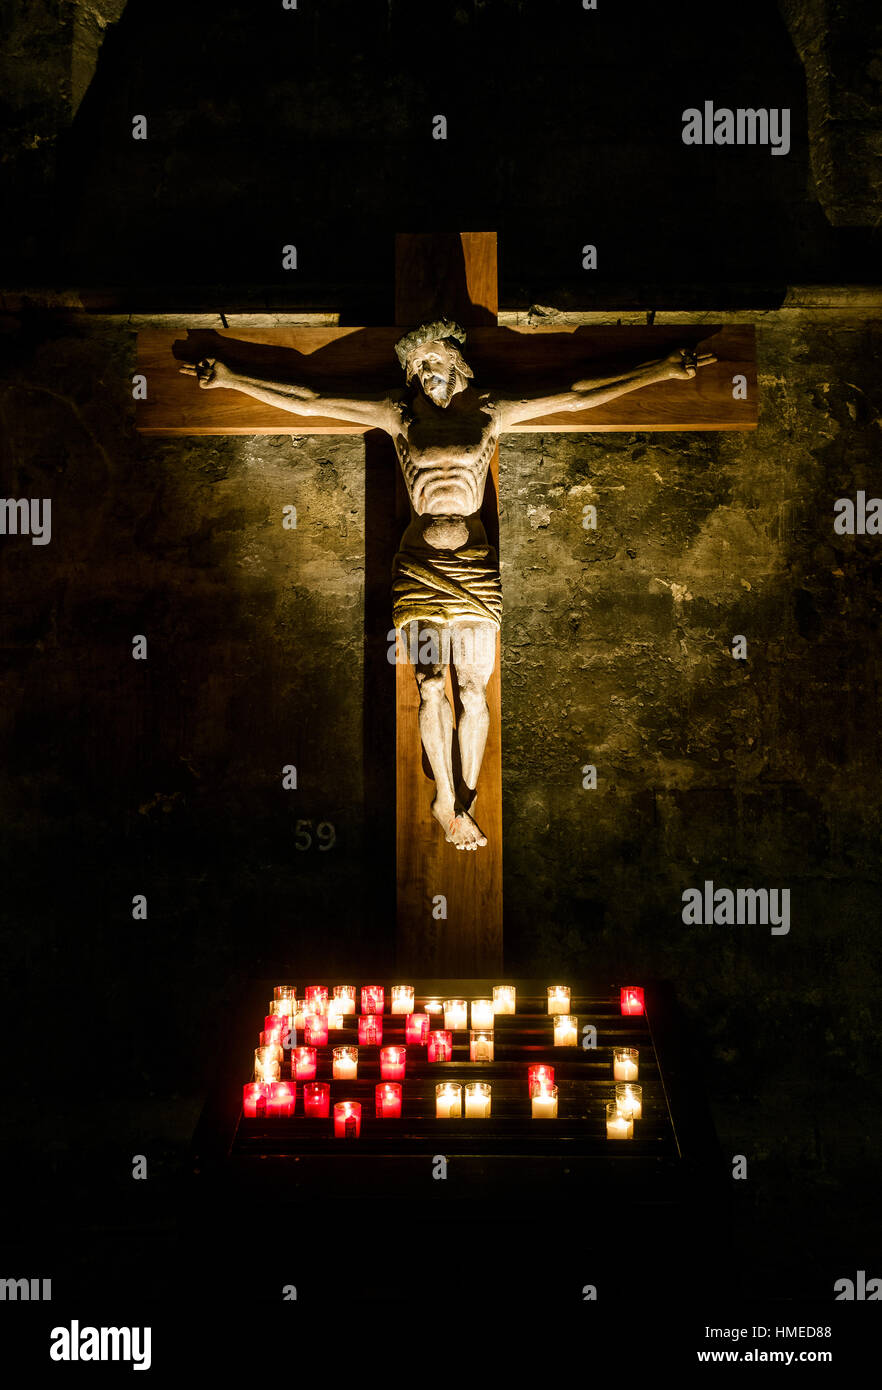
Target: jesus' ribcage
453	486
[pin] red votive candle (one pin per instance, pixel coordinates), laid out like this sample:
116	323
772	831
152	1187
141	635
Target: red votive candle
303	1063
387	1100
372	999
441	1046
316	1100
347	1119
254	1097
315	1029
416	1030
392	1063
280	1101
541	1076
370	1030
316	999
632	999
279	1025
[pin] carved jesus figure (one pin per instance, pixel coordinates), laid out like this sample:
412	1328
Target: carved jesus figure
447	593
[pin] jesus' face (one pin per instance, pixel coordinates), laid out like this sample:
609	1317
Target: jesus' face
436	369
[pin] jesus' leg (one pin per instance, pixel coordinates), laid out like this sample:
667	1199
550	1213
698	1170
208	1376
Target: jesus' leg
436	732
474	656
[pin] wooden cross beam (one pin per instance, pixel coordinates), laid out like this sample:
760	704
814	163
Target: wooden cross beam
454	276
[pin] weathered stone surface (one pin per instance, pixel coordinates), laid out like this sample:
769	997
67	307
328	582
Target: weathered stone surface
839	43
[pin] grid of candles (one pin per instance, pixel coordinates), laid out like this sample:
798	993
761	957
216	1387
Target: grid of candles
322	1011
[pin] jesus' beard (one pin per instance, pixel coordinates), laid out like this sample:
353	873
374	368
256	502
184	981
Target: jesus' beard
442	394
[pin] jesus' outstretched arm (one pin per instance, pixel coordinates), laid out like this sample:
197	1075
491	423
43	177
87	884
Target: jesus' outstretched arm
374	409
680	365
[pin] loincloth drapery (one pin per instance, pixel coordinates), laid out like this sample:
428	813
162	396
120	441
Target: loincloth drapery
446	586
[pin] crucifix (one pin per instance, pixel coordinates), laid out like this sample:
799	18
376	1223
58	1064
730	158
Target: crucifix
464	385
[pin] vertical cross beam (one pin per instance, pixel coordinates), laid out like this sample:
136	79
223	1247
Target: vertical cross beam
454	276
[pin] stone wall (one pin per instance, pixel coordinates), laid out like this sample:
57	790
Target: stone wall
840	48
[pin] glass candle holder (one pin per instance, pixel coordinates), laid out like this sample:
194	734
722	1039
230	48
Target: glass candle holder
629	1100
625	1063
303	1063
280	1101
505	999
254	1094
433	1007
402	999
316	999
345	997
566	1030
481	1045
448	1101
315	1029
267	1066
477	1100
344	1062
316	1100
416	1030
372	999
347	1119
370	1030
543	1103
271	1039
279	1025
631	999
387	1100
539	1075
455	1014
618	1126
299	1014
335	1015
482	1013
283	1007
392	1060
558	999
440	1046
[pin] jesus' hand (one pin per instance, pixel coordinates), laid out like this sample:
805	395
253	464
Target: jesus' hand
683	363
210	372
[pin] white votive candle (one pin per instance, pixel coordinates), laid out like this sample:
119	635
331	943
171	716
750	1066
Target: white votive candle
566	1030
482	1013
618	1126
504	999
629	1100
558	999
481	1046
402	999
448	1101
625	1063
266	1063
456	1015
477	1100
345	997
544	1103
345	1063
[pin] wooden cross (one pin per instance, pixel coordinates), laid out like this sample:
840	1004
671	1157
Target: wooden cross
454	276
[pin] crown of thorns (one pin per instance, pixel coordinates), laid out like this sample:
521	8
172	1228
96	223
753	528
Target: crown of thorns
428	333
